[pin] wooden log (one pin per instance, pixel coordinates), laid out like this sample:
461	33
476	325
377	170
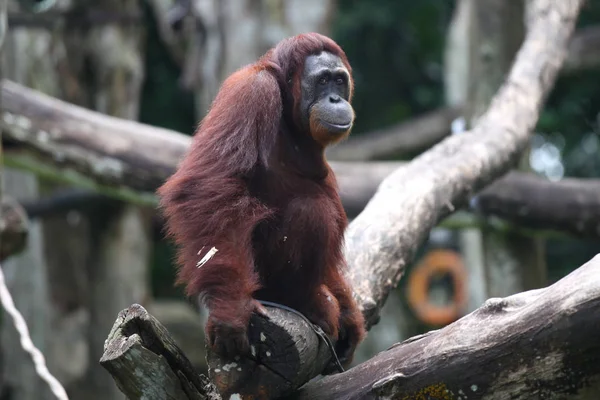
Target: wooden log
540	344
114	151
286	353
569	205
13	228
147	364
536	344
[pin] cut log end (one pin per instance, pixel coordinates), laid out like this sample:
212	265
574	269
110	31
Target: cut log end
146	363
285	353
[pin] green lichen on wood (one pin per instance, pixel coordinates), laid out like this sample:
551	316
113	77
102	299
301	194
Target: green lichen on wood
437	391
48	171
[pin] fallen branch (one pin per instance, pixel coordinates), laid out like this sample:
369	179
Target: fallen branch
147	364
536	344
570	205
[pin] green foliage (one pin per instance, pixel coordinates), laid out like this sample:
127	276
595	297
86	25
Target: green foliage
570	120
395	48
164	102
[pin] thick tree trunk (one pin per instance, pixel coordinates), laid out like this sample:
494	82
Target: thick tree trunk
457	68
510	265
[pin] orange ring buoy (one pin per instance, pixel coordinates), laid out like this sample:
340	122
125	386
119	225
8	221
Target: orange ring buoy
437	262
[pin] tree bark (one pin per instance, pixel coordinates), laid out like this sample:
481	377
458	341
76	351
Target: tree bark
286	354
536	344
138	348
570	205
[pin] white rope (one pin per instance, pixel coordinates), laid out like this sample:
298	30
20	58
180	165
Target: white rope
26	343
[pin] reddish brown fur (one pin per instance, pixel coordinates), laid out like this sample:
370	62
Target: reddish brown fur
259	190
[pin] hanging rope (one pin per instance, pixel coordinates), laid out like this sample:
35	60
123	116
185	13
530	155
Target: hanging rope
27	343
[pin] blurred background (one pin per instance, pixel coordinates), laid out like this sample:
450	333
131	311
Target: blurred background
161	62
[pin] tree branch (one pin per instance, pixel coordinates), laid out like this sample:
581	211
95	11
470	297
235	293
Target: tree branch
570	205
113	151
147	364
383	239
553	330
536	344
